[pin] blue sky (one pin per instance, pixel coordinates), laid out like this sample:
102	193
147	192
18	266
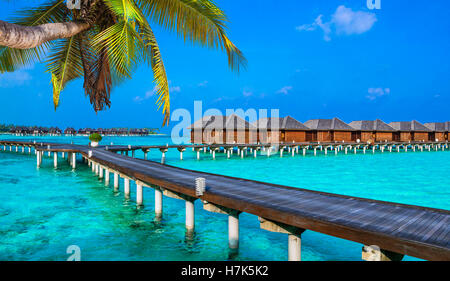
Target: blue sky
309	59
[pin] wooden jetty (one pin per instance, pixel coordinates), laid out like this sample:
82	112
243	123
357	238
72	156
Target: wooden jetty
387	230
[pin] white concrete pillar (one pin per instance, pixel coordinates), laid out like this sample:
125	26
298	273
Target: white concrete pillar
242	153
116	181
198	154
38	160
181	155
213	154
158	202
55	159
326	150
295	243
100	172
281	152
255	153
190	215
23	149
106	176
74	160
97	170
304	151
233	230
126	187
139	194
315	151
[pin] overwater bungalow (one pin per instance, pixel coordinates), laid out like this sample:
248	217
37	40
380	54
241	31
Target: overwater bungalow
222	129
70	131
55	131
279	130
330	130
372	130
439	131
410	131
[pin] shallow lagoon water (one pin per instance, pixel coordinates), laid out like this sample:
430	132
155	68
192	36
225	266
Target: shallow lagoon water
43	211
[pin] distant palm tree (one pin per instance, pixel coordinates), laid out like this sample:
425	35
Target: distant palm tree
105	40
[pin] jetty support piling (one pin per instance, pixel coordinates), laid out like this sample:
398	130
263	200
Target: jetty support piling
106	177
181	150
55	160
116	181
158	203
163	155
374	253
100	172
294	236
38	159
190	211
139	194
126	187
74	160
233	222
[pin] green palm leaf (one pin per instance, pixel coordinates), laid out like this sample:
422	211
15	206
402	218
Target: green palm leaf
64	63
200	21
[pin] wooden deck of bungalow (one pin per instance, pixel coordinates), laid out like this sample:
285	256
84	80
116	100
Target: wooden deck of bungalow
388	230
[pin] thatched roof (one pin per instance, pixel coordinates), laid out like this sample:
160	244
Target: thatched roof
280	123
409	126
371	125
334	124
219	122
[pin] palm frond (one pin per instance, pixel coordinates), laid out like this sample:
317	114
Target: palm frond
64	63
119	41
147	50
199	21
159	72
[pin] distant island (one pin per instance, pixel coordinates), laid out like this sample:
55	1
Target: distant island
55	131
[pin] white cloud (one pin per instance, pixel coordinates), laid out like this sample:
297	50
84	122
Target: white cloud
175	89
13	79
203	84
247	93
149	94
375	93
343	21
285	90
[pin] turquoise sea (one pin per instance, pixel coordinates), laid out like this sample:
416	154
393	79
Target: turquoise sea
43	211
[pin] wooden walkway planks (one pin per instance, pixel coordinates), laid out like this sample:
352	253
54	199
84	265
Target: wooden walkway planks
411	230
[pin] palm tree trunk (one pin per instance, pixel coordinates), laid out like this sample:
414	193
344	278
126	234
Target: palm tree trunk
27	37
